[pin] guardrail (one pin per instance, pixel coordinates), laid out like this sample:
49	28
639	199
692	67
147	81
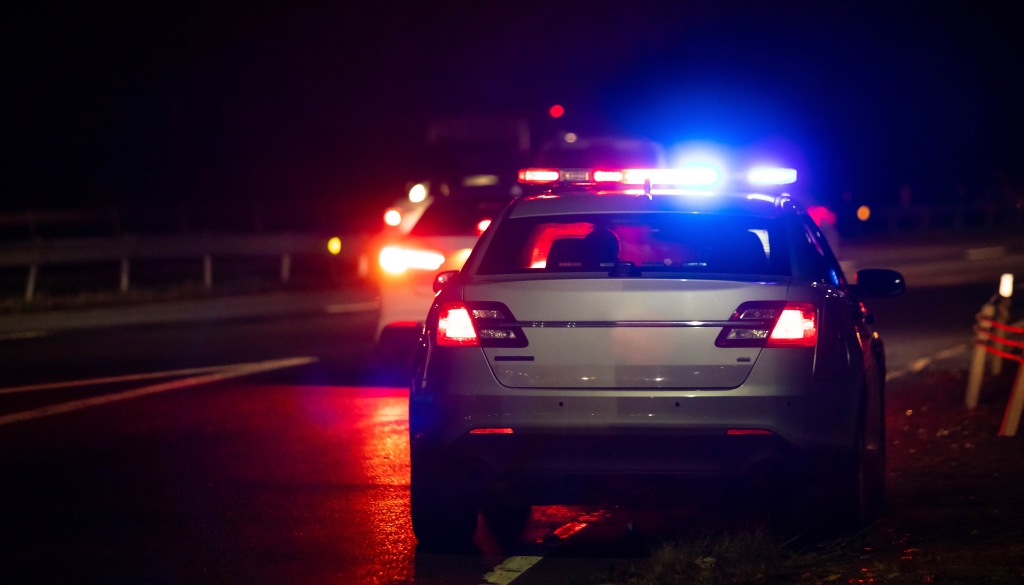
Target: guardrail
204	247
992	345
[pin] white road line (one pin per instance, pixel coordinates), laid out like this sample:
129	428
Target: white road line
951	352
124	378
22	335
894	375
509	570
351	307
233	372
918	365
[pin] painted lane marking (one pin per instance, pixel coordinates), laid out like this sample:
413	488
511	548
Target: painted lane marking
985	253
227	374
21	335
918	365
123	378
951	352
894	375
342	308
510	569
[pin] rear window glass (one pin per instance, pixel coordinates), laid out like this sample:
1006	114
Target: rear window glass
458	217
638	244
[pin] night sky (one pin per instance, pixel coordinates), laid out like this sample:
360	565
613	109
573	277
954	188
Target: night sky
232	104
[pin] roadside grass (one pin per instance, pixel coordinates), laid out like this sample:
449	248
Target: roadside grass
955	508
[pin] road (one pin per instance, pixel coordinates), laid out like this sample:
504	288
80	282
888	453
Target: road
129	455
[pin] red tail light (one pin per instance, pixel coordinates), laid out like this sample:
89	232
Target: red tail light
797	326
491	431
772	324
455	327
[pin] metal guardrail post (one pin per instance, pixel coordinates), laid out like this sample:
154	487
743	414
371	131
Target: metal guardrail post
286	268
124	274
977	373
207	272
30	286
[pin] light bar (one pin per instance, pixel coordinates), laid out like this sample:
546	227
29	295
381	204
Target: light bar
538	176
684	176
693	175
607	176
771	176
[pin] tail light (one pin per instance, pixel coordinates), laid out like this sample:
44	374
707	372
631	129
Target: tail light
455	327
771	324
397	260
478	324
797	326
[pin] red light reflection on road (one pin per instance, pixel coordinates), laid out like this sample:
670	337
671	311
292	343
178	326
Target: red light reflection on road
364	436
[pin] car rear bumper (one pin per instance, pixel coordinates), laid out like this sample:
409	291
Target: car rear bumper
624	431
540	457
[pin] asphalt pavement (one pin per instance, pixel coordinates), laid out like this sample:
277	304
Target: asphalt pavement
273	449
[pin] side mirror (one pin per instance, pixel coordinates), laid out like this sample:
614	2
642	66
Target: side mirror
443	278
876	282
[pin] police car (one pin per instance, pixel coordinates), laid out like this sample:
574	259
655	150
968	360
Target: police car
635	322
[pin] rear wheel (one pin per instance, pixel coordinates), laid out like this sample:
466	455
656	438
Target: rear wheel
856	492
442	522
506	517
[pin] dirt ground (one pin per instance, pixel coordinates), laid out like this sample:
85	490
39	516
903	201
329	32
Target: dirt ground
955	510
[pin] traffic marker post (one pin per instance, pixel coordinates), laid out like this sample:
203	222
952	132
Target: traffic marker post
993	338
977	373
1002	316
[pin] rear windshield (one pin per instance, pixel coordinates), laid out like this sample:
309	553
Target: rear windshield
458	217
639	244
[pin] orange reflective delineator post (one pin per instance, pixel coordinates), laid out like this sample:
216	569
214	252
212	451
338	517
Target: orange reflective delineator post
1011	418
977	373
993	336
1002	316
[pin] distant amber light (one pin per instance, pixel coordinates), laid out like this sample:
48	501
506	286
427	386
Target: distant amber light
863	213
334	245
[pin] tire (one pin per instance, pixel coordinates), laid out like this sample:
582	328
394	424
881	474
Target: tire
857	489
442	523
506	519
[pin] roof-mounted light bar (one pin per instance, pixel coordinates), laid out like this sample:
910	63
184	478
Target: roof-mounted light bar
538	176
687	176
771	176
703	176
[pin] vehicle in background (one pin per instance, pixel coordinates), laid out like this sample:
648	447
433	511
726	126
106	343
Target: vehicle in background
440	239
645	322
473	164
